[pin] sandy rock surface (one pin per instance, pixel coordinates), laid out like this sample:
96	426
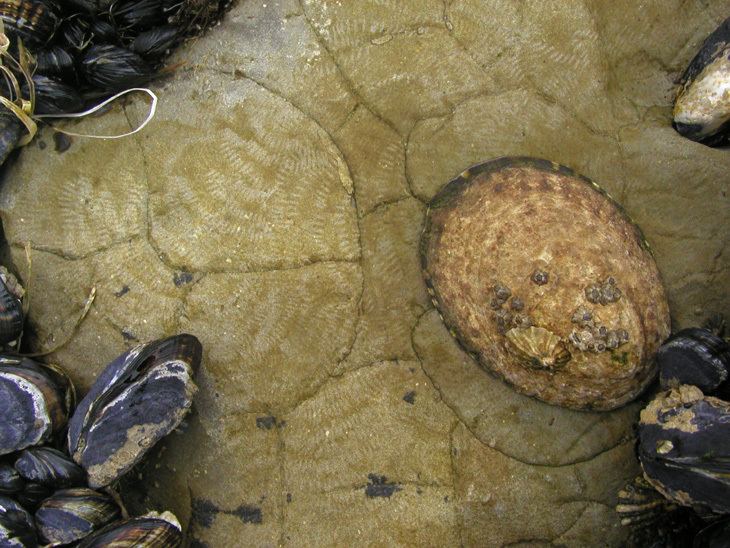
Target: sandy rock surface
273	209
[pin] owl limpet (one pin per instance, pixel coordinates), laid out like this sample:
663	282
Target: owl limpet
490	230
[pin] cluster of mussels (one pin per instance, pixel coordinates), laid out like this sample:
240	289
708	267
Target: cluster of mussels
59	461
87	48
684	448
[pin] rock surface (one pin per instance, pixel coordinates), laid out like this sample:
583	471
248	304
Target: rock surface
273	209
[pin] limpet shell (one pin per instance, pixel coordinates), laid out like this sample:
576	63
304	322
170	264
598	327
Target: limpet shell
498	223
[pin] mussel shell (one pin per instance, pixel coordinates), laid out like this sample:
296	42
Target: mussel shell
111	68
715	535
33	404
694	356
32	495
33	22
10	480
150	531
137	400
652	519
702	109
11	315
102	32
92	6
16	525
54	61
54	97
76	32
49	466
72	514
155	42
138	14
684	448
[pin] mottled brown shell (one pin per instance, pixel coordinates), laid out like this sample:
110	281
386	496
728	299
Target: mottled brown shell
500	222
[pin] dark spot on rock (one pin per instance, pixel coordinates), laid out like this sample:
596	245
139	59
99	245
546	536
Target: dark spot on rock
42	144
62	142
551	421
410	397
204	512
123	291
266	422
446	498
128	335
499	187
288	497
247	514
238	74
379	486
195	543
418	490
182	278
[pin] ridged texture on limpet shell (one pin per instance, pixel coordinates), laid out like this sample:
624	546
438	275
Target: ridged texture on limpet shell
137	400
49	466
150	531
34	403
684	448
698	357
72	514
499	223
702	107
16	525
538	347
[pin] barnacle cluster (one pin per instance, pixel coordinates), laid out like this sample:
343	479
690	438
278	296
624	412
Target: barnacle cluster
603	293
511	315
590	335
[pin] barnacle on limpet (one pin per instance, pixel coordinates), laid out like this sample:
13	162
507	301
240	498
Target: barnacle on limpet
539	277
538	347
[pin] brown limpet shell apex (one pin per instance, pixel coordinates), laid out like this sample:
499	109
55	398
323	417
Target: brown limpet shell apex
497	224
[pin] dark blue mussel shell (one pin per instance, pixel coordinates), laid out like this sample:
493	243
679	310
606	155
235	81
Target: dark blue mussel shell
137	400
33	22
155	42
716	535
50	467
684	448
16	525
698	357
35	401
112	68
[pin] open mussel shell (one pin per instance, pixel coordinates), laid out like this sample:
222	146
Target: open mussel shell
11	315
49	466
72	514
16	525
695	356
34	403
684	448
150	531
137	400
702	108
112	68
10	480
